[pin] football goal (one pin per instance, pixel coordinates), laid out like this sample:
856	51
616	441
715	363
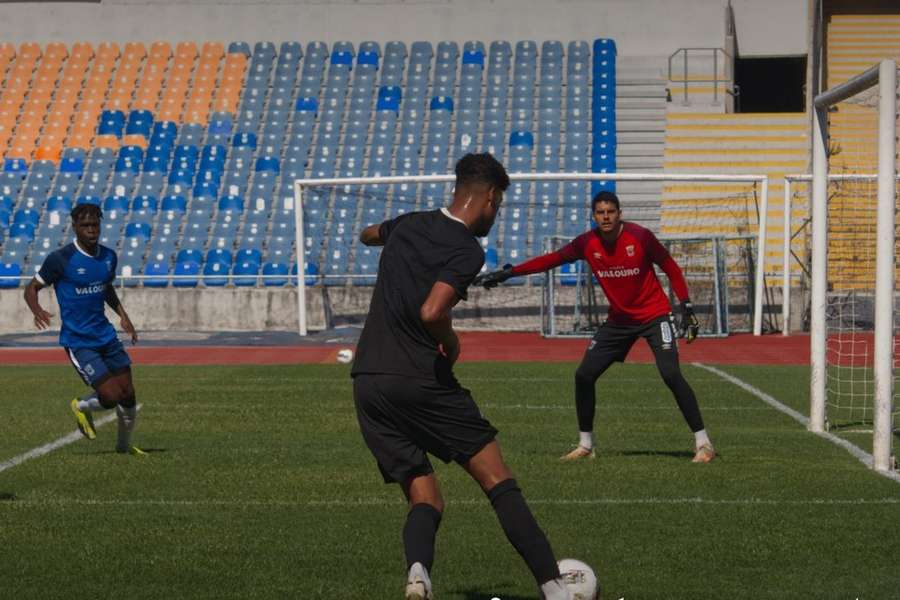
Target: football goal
716	235
853	294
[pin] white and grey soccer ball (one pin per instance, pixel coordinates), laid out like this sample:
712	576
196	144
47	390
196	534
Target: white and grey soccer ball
344	355
579	579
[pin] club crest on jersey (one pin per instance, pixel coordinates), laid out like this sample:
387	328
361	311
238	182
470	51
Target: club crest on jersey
629	249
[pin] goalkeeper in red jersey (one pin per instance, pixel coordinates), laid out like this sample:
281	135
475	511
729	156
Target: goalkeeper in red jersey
621	256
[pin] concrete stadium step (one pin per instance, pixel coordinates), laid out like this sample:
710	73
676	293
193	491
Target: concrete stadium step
641	114
655	103
641	137
640	149
657	92
640	126
639	163
646	188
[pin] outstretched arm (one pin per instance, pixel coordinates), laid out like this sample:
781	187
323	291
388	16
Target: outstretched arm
41	316
568	253
112	299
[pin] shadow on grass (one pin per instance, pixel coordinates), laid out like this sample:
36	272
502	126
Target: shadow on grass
7	496
669	453
478	595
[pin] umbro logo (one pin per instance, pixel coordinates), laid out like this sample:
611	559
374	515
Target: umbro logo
81	270
598	256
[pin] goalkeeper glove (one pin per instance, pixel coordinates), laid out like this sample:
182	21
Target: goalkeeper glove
690	326
492	279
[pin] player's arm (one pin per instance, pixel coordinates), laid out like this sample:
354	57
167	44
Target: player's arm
378	234
41	316
112	300
568	253
689	326
370	236
435	315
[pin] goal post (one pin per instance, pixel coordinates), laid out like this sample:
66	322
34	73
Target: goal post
304	189
884	76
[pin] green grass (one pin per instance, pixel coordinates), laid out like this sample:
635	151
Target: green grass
259	486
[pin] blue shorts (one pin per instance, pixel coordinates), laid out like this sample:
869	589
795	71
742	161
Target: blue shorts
96	364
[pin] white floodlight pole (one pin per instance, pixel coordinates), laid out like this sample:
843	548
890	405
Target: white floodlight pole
301	257
884	265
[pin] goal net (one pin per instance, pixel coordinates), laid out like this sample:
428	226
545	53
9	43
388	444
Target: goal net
854	300
716	243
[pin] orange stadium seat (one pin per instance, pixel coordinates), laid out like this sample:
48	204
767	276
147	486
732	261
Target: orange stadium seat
48	152
7	50
161	49
30	50
106	141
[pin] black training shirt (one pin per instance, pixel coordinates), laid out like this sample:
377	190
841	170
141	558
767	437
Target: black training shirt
419	249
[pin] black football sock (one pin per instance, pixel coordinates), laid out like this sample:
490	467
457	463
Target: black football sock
421	527
585	400
522	530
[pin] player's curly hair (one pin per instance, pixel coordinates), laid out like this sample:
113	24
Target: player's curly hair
481	168
85	210
605	197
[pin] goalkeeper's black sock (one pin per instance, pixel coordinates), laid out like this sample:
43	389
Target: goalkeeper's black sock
522	530
585	400
421	527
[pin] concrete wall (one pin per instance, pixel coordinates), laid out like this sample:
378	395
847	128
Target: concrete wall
641	28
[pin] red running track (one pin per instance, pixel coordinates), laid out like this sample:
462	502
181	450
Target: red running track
476	346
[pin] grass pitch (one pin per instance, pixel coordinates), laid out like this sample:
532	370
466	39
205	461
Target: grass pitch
258	485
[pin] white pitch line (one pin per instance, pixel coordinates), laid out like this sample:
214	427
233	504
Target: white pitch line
860	454
55	444
370	502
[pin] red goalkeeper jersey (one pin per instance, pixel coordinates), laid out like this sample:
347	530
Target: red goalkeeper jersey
624	269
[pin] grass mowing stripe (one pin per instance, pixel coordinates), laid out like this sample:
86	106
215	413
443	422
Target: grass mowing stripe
860	454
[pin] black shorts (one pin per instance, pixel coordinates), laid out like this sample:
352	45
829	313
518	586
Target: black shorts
403	419
612	342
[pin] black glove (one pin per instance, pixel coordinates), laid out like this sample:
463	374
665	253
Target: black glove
492	279
689	326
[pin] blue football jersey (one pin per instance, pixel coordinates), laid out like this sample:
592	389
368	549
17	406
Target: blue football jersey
80	281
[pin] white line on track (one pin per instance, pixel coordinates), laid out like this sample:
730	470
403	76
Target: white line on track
370	502
55	444
860	454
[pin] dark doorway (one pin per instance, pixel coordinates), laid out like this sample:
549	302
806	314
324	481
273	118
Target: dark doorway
773	84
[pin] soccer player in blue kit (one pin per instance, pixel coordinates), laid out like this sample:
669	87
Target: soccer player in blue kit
82	274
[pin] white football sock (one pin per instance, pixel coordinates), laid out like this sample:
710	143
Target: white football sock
555	589
700	438
126	418
90	404
586	439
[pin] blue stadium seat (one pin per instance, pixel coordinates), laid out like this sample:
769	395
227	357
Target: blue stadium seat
245	273
9	275
138	230
157	274
275	274
174	202
186	274
27	215
215	274
61	204
220	255
231	203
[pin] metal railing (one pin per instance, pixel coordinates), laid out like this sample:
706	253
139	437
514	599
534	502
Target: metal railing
728	61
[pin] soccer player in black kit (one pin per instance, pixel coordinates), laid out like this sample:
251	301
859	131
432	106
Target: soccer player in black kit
408	402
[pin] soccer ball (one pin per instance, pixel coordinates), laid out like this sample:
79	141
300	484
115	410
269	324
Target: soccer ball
579	579
344	355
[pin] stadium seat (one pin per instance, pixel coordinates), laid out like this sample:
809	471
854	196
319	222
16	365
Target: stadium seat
275	274
245	273
9	275
156	274
215	274
186	274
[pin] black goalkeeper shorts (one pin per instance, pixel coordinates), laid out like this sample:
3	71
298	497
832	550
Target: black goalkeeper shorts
404	419
612	342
